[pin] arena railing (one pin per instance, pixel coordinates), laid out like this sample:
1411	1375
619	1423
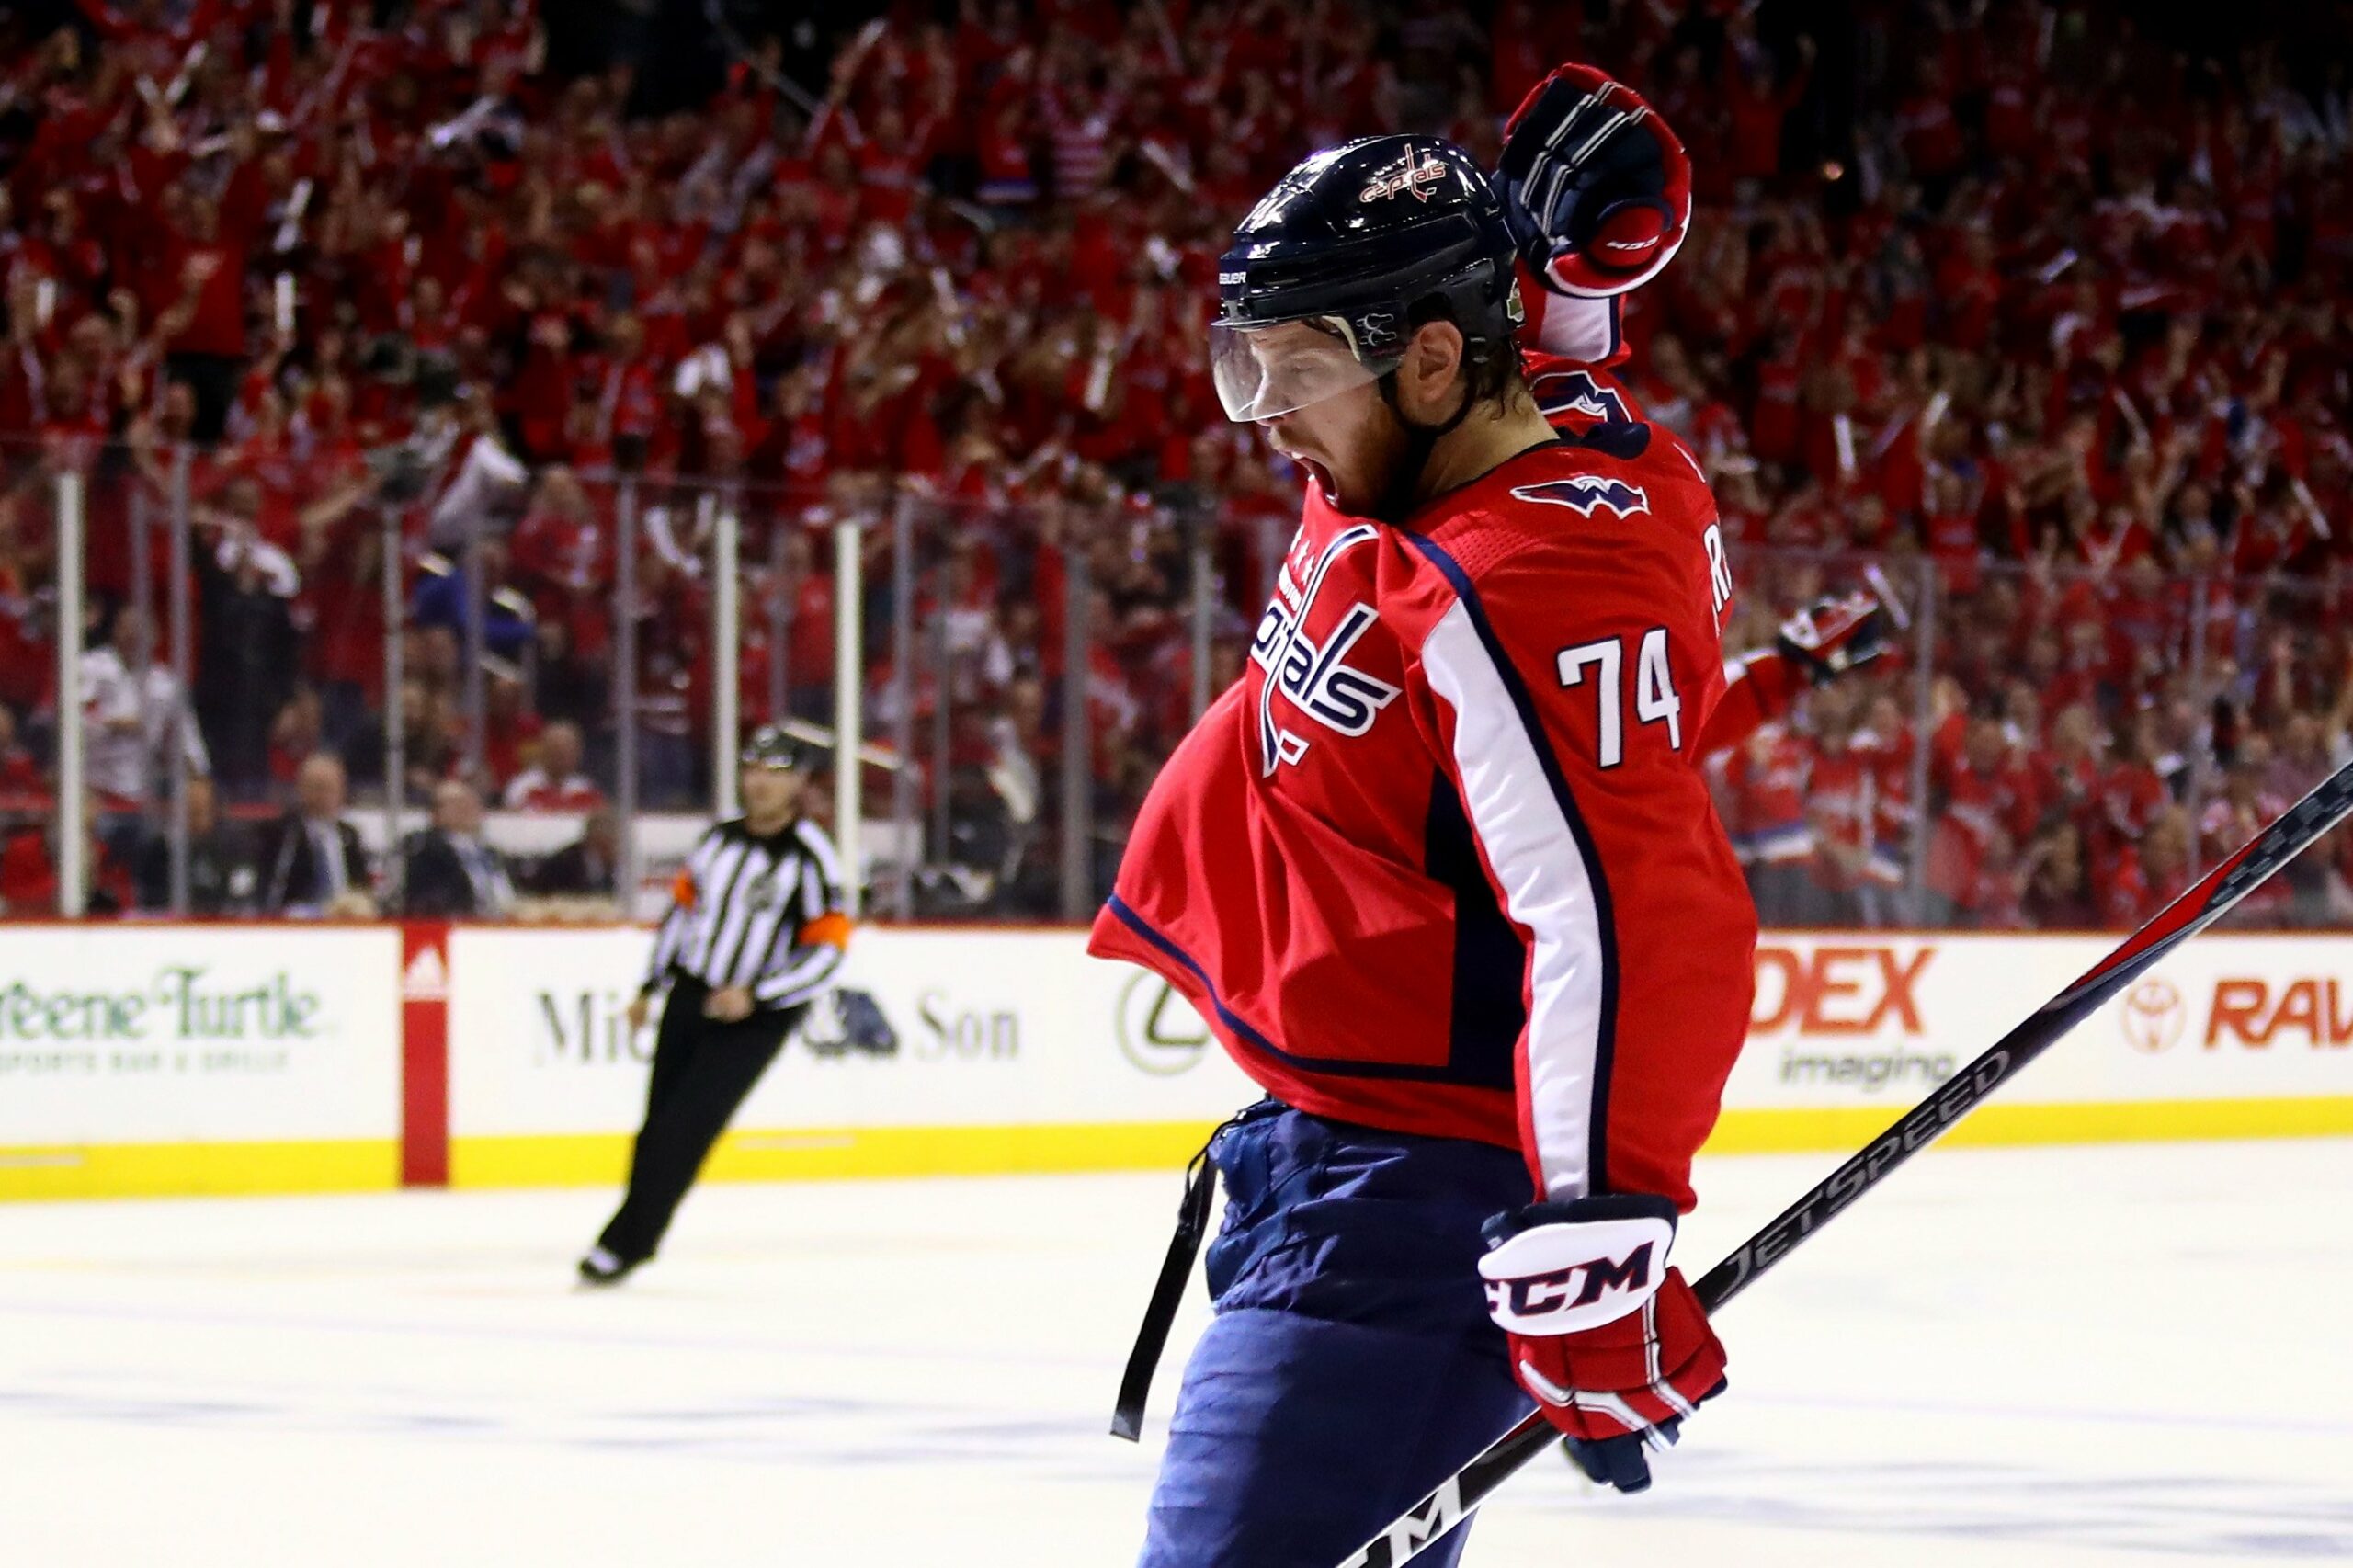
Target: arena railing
990	685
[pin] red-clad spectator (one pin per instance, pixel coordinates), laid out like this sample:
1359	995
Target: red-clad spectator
1843	812
2068	774
1765	784
22	787
1969	292
1758	97
810	641
1773	422
1995	898
30	880
553	783
510	730
2013	102
2147	879
2133	793
200	300
1988	806
2244	808
2058	892
1931	134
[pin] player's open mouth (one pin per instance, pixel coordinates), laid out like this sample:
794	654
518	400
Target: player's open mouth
1315	471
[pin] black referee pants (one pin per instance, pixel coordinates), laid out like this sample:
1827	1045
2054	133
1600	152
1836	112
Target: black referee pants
702	1070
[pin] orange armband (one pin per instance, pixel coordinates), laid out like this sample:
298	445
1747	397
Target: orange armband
831	928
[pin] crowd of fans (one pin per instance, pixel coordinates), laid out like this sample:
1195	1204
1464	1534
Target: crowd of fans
2037	309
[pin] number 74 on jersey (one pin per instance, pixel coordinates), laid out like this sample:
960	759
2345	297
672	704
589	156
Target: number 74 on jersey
1654	699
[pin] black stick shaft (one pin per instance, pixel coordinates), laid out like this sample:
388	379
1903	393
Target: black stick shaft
1455	1498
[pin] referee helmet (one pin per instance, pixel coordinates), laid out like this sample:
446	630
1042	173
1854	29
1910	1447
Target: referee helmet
769	746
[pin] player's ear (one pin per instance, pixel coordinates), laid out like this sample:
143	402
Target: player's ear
1426	380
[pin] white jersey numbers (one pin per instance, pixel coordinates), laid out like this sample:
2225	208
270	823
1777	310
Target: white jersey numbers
1654	698
1605	654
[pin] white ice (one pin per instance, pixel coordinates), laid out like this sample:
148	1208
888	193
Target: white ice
2016	1358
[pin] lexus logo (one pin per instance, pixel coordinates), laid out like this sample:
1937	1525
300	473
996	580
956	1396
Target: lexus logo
2154	1016
1159	1031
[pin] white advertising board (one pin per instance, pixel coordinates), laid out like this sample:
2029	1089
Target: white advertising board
995	1029
161	1058
1016	1028
1854	1021
148	1034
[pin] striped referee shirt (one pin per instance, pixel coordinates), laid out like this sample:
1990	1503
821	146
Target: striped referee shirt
763	913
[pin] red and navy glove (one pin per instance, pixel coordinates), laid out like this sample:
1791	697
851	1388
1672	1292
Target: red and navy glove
1596	187
1605	1337
1835	633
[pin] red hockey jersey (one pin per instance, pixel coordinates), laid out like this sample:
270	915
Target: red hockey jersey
1443	861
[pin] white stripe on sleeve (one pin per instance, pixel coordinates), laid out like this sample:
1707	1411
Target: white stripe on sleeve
1546	890
719	907
801	979
829	862
671	937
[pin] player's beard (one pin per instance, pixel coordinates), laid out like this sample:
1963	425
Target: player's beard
1382	466
1405	449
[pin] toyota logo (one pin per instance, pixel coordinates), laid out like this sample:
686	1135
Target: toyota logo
2154	1016
1159	1031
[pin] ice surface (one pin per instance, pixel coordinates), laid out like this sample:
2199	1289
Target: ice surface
2004	1357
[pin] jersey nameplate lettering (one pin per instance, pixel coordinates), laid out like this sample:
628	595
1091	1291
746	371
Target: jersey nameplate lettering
1719	569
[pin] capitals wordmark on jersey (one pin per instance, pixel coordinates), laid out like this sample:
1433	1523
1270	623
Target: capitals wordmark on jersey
1304	673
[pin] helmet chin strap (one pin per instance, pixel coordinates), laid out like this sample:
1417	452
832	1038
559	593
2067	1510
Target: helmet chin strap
1397	500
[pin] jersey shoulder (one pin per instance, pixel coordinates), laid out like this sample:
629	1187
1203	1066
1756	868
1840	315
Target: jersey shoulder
1585	533
1617	487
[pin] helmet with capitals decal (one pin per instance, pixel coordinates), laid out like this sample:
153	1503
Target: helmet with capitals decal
1363	243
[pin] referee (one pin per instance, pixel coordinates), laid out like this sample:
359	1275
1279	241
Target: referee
755	929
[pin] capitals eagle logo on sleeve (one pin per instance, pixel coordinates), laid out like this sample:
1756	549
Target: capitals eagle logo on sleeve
1586	492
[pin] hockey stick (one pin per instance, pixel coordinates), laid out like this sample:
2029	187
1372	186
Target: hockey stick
1422	1526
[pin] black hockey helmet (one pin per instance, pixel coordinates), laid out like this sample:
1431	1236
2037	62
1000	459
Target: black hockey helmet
769	746
1351	241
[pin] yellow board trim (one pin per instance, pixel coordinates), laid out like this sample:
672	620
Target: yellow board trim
123	1170
174	1170
822	1153
819	1153
1751	1131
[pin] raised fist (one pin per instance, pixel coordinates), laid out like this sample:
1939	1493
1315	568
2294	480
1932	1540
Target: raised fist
1596	187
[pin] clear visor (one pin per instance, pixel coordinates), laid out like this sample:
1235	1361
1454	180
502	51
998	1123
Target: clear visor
1262	371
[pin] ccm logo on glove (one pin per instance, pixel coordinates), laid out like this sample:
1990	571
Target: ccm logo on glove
1571	1274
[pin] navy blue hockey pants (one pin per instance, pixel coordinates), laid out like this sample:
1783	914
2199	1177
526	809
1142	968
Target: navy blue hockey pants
1351	1366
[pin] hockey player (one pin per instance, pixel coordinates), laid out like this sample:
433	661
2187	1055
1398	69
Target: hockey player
1443	873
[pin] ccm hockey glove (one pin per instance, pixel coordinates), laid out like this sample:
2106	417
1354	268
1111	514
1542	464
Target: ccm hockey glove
1597	189
1608	1339
1834	634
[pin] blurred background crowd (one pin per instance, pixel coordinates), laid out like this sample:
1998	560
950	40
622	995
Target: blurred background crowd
2041	308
